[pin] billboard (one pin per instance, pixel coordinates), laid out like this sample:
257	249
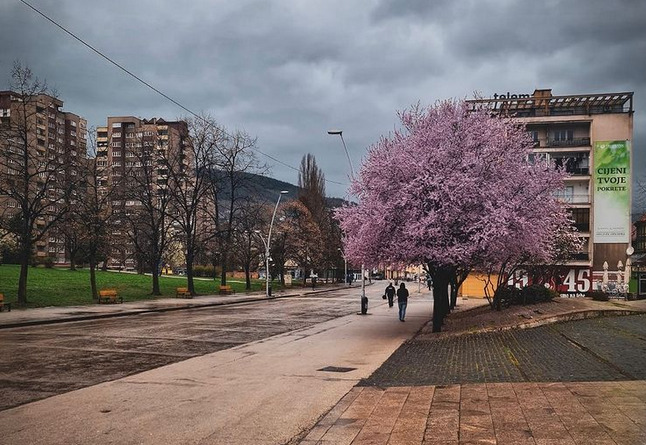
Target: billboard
574	281
611	177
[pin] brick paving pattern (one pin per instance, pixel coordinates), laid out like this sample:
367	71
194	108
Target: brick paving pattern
601	349
483	382
571	413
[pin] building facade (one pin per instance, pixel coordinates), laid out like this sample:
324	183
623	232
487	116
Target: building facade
44	146
590	136
137	154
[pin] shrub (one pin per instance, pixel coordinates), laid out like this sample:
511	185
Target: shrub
505	296
48	262
598	295
536	293
204	271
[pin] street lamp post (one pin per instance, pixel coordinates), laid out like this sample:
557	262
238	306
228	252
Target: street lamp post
345	264
268	242
364	306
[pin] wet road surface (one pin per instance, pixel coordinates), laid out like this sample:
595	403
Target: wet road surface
41	361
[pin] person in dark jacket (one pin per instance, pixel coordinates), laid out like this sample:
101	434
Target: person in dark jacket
402	301
390	293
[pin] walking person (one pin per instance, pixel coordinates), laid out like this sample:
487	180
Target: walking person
390	293
402	301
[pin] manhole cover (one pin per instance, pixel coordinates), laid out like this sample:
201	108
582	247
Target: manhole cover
336	369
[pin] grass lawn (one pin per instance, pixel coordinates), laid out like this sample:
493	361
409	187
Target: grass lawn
62	287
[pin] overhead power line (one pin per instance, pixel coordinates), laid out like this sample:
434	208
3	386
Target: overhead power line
147	84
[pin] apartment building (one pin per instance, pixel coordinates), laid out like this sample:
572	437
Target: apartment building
134	150
56	145
589	135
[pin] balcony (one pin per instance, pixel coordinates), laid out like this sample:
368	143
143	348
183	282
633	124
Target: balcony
575	142
581	171
582	198
580	256
574	164
582	227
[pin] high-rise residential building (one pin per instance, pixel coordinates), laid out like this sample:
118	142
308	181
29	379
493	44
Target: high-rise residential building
135	152
41	145
590	136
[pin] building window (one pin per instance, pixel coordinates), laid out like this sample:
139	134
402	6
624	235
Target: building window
581	219
563	135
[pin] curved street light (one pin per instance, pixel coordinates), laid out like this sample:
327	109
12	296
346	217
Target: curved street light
363	273
267	243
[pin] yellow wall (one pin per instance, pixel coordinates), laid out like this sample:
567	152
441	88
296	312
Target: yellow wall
474	285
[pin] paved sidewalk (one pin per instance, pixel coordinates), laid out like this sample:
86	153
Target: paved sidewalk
494	413
264	392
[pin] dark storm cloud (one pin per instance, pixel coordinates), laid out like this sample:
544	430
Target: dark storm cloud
287	71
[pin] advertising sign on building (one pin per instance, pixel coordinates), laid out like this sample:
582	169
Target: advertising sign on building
611	191
575	281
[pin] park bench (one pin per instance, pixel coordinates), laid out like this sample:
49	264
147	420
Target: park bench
182	292
109	296
4	304
226	290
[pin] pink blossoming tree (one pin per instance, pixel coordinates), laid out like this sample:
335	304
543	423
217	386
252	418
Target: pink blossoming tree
455	190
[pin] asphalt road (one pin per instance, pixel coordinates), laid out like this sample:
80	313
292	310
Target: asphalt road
599	349
40	361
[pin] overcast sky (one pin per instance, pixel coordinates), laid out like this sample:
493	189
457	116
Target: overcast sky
287	71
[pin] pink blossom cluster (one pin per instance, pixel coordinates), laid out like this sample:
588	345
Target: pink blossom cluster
455	188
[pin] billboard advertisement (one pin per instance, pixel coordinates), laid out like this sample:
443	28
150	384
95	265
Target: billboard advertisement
611	177
575	281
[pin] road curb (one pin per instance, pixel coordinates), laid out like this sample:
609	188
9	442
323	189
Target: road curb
129	312
559	318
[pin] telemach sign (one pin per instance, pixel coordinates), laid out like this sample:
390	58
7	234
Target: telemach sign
509	96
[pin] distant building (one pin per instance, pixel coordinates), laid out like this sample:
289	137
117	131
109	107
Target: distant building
590	135
130	147
57	146
639	257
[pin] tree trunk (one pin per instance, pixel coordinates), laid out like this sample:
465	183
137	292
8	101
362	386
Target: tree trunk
223	274
247	275
155	272
454	293
93	279
189	273
72	263
441	281
24	270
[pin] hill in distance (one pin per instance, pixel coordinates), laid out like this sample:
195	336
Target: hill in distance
266	189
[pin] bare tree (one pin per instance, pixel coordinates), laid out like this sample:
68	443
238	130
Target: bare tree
233	159
304	241
94	209
248	247
31	159
188	186
311	181
144	199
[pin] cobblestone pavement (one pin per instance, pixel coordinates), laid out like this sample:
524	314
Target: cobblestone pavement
600	349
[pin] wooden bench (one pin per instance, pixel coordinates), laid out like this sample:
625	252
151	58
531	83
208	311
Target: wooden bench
109	296
182	292
226	290
4	304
